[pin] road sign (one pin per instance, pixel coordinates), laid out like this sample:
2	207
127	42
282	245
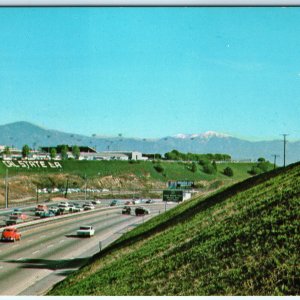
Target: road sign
182	184
172	195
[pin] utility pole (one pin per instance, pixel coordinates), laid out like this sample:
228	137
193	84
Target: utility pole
37	194
85	187
284	147
275	156
6	189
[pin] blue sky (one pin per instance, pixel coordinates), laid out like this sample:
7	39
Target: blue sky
152	72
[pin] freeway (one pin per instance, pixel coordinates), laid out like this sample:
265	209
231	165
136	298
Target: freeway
49	251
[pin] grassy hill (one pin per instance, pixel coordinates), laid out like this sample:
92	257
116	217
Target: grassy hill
171	170
244	240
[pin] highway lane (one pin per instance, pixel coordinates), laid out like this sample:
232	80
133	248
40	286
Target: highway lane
52	247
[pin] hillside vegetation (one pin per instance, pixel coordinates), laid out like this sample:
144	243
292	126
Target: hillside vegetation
244	240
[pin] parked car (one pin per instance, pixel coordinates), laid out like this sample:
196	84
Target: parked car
127	203
126	210
10	234
140	211
86	231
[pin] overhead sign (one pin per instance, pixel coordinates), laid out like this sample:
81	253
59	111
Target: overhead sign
182	184
32	164
172	195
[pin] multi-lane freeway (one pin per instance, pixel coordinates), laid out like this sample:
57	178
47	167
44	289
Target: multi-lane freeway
49	251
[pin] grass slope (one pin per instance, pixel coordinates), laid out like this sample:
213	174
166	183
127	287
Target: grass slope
172	171
244	240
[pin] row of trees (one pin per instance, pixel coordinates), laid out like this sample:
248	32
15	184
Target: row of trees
176	155
60	149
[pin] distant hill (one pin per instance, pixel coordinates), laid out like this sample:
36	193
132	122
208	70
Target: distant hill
241	241
21	133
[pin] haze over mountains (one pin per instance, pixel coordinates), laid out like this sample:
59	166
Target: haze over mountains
20	133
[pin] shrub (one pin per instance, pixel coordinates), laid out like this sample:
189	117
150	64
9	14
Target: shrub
228	172
209	169
159	168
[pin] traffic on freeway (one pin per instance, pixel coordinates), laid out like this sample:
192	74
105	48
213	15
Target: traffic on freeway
50	247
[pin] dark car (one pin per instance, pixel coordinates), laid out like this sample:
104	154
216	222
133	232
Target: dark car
148	201
140	211
126	210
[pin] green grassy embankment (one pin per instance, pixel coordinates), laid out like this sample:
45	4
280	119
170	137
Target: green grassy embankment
244	240
171	170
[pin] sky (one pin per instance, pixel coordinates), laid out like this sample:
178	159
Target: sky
152	72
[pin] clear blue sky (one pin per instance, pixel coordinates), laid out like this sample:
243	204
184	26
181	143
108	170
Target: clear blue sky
152	72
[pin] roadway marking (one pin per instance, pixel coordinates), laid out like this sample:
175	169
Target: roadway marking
50	246
36	252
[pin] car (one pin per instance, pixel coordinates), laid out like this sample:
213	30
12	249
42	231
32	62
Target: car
18	215
86	231
41	207
126	210
96	201
10	222
140	211
148	201
63	207
10	234
76	208
47	214
115	202
127	203
54	209
88	207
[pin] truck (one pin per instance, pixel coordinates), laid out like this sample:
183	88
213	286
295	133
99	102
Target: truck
85	231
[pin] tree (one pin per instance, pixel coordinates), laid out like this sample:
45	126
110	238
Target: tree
261	159
214	165
228	172
76	151
64	152
53	153
6	150
194	167
25	151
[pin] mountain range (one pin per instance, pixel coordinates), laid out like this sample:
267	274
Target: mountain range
19	133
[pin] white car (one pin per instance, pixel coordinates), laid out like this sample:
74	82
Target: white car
86	231
88	207
96	201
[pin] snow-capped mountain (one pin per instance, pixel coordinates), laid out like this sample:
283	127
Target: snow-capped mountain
205	135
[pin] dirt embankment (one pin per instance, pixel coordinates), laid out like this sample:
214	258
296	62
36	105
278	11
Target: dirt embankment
24	187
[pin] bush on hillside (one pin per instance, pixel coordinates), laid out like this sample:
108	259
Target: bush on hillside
228	172
209	169
159	168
